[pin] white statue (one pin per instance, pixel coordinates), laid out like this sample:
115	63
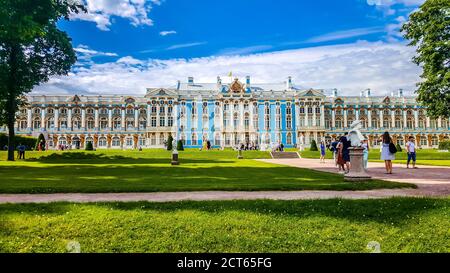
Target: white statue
354	135
301	142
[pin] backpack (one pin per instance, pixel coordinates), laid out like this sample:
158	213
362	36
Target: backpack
392	148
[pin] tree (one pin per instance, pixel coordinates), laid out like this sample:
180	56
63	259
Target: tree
180	145
169	143
399	148
89	146
428	29
32	49
313	146
40	141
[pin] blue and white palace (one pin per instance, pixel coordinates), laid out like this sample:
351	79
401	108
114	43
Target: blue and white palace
226	115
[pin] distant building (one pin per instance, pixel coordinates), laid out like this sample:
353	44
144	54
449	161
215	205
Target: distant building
226	115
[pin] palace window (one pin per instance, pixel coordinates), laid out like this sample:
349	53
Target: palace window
102	142
103	111
153	122
246	122
142	123
77	111
37	110
129	141
310	110
278	123
169	110
288	109
375	123
63	111
386	123
170	121
162	109
288	122
267	110
103	123
267	123
398	123
289	139
154	109
194	139
90	124
130	123
90	111
116	142
434	141
421	123
423	141
409	123
217	140
162	122
235	121
130	111
338	123
302	110
141	141
117	123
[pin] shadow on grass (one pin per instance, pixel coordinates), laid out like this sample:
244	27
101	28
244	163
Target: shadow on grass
99	158
392	211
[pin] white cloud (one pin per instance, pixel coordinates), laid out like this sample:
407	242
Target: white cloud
167	32
387	5
339	35
383	67
178	46
245	50
102	11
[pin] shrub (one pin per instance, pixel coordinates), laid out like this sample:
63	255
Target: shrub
89	146
399	148
29	142
41	140
313	146
169	143
444	145
180	145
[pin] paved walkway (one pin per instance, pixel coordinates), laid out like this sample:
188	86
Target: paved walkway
431	180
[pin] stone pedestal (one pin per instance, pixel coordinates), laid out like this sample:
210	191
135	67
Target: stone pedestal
175	158
240	154
357	171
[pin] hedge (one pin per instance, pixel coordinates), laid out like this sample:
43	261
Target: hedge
444	145
29	142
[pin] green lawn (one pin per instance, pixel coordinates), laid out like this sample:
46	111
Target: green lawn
398	224
424	157
150	171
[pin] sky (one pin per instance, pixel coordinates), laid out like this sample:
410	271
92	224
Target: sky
127	46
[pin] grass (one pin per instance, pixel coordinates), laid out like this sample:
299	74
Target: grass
150	171
398	224
424	157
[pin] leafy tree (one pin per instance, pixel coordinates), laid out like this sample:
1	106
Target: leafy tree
32	49
399	148
313	146
40	141
89	146
428	29
169	143
180	145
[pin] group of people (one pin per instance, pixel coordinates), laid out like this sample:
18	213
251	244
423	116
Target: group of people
341	154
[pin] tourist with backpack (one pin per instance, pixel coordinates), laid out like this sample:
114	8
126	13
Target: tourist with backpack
334	150
388	151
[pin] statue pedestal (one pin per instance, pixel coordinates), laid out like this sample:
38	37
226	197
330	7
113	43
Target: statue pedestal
175	158
240	154
357	171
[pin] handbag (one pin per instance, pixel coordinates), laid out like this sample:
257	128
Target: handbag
392	148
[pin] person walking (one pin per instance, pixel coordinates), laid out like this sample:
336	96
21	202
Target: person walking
365	145
340	160
322	152
21	151
411	150
388	151
345	151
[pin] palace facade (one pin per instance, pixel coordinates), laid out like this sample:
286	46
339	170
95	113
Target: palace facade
226	115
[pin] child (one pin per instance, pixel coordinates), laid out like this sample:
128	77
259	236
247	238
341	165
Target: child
322	152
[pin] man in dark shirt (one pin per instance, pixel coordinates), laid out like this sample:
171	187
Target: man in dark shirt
345	152
21	149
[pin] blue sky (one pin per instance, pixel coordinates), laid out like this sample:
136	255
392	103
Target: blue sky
125	46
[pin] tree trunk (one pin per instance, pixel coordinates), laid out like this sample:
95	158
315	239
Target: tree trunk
11	137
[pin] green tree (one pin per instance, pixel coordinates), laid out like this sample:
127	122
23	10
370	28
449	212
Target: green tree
180	145
169	143
313	146
428	29
32	49
40	141
89	146
399	148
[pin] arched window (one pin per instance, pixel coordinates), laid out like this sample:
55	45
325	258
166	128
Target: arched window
36	123
217	140
117	123
194	139
102	142
288	138
115	142
90	124
103	123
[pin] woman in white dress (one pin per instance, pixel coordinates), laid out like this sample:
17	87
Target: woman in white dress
386	155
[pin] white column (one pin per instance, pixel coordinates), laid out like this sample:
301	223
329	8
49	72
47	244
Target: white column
314	116
333	117
381	118
369	117
29	121
122	123
428	122
231	104
345	117
148	115
241	115
166	113
69	118
56	118
110	125
83	117
357	112
157	116
136	118
405	125
306	117
393	118
43	125
96	119
176	120
439	122
416	118
297	116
